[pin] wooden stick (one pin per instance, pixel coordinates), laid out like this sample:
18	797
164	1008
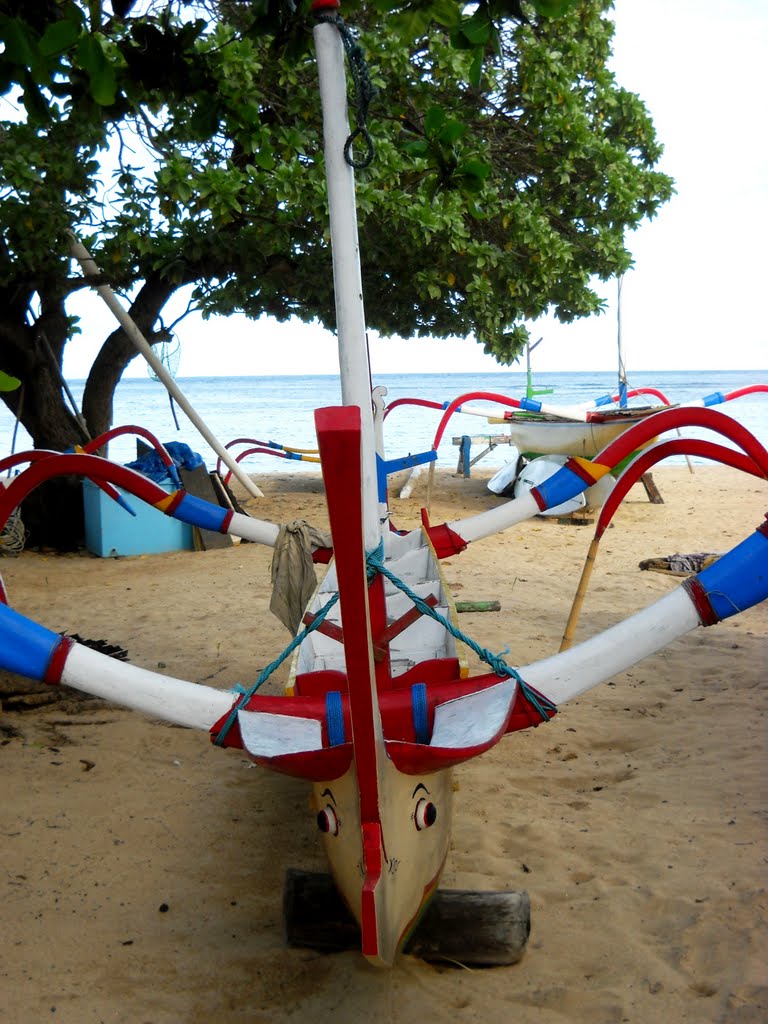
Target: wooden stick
478	606
581	593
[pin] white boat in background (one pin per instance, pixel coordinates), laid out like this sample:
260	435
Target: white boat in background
551	435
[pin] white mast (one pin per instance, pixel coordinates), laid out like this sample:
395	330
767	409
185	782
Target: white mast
620	344
347	278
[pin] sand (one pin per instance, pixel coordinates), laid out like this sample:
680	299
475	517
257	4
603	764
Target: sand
143	868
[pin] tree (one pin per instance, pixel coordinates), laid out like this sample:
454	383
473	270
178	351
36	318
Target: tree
183	146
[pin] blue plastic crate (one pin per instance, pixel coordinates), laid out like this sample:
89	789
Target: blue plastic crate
110	530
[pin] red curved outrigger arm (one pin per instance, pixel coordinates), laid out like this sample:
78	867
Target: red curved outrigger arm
755	462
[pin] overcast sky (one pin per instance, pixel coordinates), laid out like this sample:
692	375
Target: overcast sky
696	295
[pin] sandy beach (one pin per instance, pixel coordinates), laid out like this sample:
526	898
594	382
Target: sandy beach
143	868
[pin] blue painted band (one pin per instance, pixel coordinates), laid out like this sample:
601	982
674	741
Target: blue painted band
420	718
530	405
199	512
604	400
274	444
714	399
122	502
381	479
561	486
334	718
25	646
739	579
385	467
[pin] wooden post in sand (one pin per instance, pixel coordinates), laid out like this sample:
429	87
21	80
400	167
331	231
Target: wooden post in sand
484	929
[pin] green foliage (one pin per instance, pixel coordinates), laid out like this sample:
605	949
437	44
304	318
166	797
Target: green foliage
187	152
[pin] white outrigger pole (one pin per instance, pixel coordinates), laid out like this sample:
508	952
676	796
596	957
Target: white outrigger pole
90	269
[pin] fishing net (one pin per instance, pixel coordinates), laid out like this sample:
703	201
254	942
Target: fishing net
169	354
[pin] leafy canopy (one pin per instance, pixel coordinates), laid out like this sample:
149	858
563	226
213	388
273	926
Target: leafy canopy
182	143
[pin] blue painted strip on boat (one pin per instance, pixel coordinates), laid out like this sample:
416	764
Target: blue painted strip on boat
121	501
199	512
560	487
385	467
604	400
381	479
739	579
334	718
530	405
420	717
26	647
714	399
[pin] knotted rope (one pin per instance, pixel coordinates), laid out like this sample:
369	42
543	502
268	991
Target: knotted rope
364	91
375	565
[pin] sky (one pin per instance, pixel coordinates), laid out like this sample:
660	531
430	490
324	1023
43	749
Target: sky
695	297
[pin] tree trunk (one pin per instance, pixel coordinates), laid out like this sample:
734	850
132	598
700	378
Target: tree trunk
53	513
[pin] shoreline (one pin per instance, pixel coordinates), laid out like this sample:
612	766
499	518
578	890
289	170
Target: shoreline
635	819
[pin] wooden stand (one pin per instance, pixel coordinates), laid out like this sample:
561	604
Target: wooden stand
651	489
487	929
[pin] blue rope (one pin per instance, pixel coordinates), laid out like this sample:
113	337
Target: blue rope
334	715
375	564
267	672
419	706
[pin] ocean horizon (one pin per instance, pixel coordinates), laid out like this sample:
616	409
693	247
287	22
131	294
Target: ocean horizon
279	408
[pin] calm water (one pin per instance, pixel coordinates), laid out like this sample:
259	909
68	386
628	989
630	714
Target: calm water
281	409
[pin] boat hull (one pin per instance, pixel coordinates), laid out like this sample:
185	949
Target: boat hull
550	437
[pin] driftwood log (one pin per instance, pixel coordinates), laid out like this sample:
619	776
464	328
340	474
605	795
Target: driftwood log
487	929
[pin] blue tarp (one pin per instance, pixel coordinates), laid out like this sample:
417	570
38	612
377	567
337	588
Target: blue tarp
152	466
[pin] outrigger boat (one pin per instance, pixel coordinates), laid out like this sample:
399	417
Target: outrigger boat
550	429
381	706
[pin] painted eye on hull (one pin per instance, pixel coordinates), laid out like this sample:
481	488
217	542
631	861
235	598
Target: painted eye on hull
328	821
425	814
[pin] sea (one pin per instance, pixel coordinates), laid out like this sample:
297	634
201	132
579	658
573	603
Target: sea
280	409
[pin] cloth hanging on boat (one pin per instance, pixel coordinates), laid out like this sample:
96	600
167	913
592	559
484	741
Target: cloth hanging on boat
293	571
680	565
151	465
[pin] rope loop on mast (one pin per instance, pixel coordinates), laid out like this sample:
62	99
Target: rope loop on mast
364	92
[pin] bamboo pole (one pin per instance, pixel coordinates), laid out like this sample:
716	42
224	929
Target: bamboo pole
581	593
90	269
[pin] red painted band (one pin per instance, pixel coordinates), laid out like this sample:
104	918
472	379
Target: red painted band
445	541
58	660
540	500
581	471
701	601
176	499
